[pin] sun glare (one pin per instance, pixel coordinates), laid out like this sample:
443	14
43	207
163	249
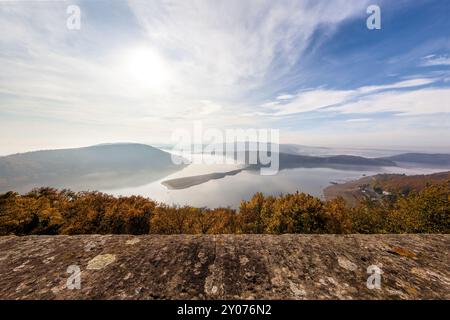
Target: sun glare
147	69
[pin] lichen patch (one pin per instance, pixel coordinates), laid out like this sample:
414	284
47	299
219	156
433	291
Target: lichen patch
347	264
132	241
101	261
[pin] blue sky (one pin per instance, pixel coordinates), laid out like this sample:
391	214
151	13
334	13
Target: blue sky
138	70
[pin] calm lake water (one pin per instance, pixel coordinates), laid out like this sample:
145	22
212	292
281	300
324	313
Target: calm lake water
230	190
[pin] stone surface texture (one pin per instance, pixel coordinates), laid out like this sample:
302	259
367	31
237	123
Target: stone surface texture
225	266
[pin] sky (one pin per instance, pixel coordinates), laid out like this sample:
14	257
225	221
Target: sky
137	70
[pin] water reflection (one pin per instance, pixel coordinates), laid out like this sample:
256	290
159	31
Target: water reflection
230	190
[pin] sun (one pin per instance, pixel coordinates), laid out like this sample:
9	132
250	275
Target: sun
147	69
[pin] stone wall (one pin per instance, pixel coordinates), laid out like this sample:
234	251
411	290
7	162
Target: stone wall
224	267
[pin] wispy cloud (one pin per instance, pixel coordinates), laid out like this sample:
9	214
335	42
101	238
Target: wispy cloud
205	51
417	82
416	102
224	49
367	99
310	100
358	120
137	69
436	60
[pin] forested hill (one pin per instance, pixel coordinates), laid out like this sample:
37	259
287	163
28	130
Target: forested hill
291	160
49	211
86	168
438	159
384	185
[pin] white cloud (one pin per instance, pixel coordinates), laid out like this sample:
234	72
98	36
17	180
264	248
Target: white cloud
215	60
215	51
226	48
398	85
358	120
311	100
209	107
368	99
434	60
416	102
285	97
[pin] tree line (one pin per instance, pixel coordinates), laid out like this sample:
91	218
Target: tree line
50	211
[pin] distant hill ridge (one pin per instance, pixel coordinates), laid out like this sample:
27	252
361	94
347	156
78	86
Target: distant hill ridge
422	158
87	167
290	160
117	165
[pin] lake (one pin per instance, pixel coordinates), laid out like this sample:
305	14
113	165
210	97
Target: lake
230	190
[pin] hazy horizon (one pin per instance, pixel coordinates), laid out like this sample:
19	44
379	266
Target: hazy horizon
168	147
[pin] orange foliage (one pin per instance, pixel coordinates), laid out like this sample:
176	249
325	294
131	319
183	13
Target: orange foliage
49	211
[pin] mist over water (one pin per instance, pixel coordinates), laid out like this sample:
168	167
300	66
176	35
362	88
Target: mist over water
230	190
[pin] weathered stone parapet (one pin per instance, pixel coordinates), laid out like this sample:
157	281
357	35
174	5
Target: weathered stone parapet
224	267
